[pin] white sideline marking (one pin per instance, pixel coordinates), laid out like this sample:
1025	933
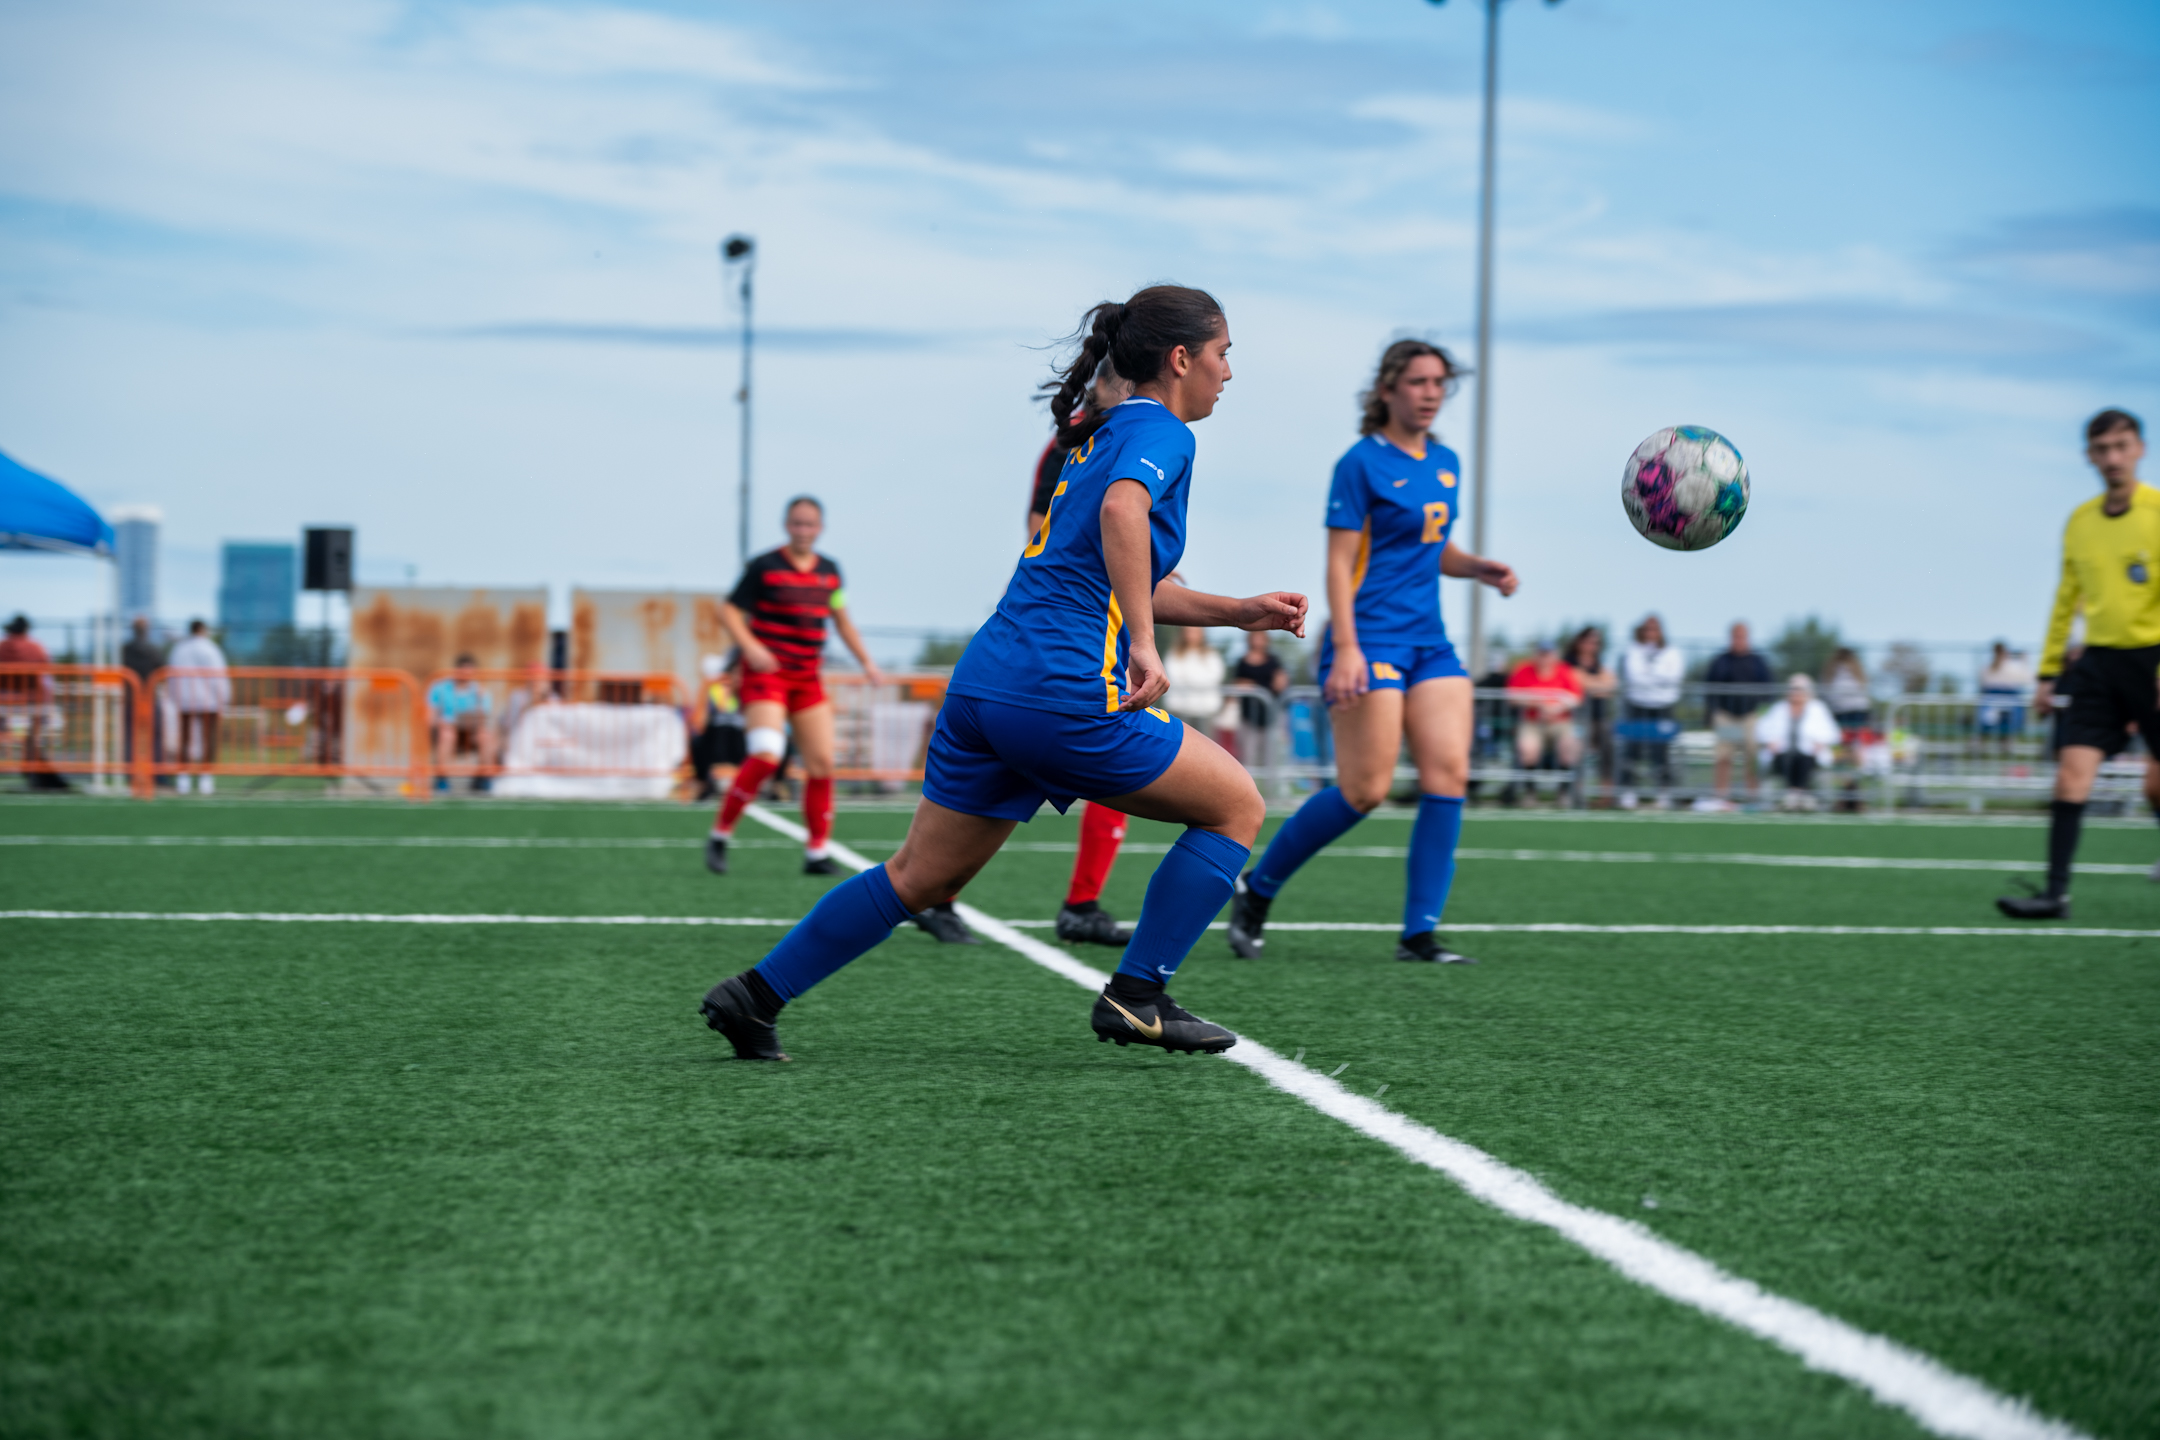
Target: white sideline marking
1564	928
423	842
1939	1398
305	917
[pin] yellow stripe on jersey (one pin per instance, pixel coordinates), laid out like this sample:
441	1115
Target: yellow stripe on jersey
2111	571
1116	622
1042	536
1364	557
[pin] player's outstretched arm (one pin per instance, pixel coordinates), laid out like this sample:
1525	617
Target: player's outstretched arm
852	638
1275	610
1459	564
1128	545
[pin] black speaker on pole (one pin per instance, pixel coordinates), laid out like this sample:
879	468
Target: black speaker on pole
329	559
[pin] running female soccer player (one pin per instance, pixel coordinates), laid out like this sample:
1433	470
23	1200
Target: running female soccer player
1054	697
1386	666
777	615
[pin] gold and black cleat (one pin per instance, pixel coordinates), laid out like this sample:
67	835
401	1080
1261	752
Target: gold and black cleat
1157	1021
733	1010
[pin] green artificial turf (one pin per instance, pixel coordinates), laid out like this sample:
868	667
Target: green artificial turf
355	1180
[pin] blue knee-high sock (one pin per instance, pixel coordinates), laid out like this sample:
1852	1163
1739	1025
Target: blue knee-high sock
1432	862
1317	823
1190	885
855	916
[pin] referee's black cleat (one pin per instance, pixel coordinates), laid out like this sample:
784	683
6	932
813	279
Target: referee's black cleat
2034	907
1157	1021
734	1009
943	924
1248	919
820	865
1089	924
1429	948
716	854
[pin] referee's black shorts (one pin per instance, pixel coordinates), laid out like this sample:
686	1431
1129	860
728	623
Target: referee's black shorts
2110	692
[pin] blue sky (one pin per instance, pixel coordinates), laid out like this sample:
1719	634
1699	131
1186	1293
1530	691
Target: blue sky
447	272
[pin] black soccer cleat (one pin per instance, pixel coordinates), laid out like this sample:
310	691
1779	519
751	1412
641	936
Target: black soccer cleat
944	925
1429	948
732	1010
716	854
1092	926
1158	1022
820	865
1248	920
2034	907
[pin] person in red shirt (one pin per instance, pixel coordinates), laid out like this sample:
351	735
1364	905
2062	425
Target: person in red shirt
777	615
1546	691
32	693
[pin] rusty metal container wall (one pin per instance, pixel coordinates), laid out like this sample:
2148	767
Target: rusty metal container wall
423	629
646	632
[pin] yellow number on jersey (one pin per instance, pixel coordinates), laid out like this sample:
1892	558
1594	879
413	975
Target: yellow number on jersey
1435	522
1042	536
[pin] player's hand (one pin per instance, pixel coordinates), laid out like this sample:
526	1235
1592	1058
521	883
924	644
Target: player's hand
2044	697
871	674
758	658
1346	682
1276	610
1145	679
1499	576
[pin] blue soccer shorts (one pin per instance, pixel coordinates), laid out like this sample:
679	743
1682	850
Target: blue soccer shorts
1397	667
1003	761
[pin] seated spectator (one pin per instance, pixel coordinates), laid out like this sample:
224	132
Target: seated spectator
1545	692
199	691
1797	738
1651	674
27	696
1196	671
2006	688
1845	691
1737	682
1258	668
719	744
1586	657
458	714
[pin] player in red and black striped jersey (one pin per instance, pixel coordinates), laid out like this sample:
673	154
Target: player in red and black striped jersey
777	614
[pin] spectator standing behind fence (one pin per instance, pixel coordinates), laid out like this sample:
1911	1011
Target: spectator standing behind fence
2006	686
1797	738
200	690
145	657
1651	673
1739	682
32	695
459	715
1586	657
717	751
1545	692
1196	672
1845	691
1258	668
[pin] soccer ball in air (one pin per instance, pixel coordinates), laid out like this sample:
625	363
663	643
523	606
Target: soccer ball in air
1685	488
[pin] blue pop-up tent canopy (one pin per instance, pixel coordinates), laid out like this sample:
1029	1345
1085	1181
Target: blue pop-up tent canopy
41	514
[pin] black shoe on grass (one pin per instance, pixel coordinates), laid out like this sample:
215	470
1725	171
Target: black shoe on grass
944	925
1159	1022
716	854
1429	948
732	1008
1089	924
2034	907
1248	920
820	865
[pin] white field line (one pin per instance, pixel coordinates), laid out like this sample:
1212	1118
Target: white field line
1060	847
1377	927
331	917
1939	1398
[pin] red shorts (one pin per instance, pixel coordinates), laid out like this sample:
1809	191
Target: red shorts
796	689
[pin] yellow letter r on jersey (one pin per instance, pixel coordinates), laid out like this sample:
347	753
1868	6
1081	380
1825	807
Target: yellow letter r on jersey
1435	522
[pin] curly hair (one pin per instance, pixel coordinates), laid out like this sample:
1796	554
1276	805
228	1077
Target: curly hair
1393	361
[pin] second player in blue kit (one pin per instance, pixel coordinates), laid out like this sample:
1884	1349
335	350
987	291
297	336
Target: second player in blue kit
1386	667
1055	698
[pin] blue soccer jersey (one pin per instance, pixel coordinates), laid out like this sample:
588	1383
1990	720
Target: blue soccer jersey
1057	641
1403	509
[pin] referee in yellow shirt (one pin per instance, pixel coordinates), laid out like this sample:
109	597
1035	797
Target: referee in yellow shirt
2111	570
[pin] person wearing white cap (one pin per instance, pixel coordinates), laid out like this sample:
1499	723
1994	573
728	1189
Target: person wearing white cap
1796	739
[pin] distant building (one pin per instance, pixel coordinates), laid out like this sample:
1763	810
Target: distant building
135	541
258	583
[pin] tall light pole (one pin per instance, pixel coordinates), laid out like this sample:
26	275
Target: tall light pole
1480	432
741	250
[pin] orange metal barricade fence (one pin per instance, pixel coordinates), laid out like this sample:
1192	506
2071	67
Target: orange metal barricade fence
881	732
60	720
274	721
558	732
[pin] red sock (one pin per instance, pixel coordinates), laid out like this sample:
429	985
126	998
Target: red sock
817	810
756	770
1102	830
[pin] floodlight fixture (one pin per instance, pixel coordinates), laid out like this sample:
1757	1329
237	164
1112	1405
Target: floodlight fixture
742	250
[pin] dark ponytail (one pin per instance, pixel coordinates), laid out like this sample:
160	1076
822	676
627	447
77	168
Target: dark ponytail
1136	338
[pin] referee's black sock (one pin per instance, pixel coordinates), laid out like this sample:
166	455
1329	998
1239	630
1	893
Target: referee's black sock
2065	817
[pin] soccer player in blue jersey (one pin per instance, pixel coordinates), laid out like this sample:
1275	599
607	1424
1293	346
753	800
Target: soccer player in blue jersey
1055	697
1386	666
